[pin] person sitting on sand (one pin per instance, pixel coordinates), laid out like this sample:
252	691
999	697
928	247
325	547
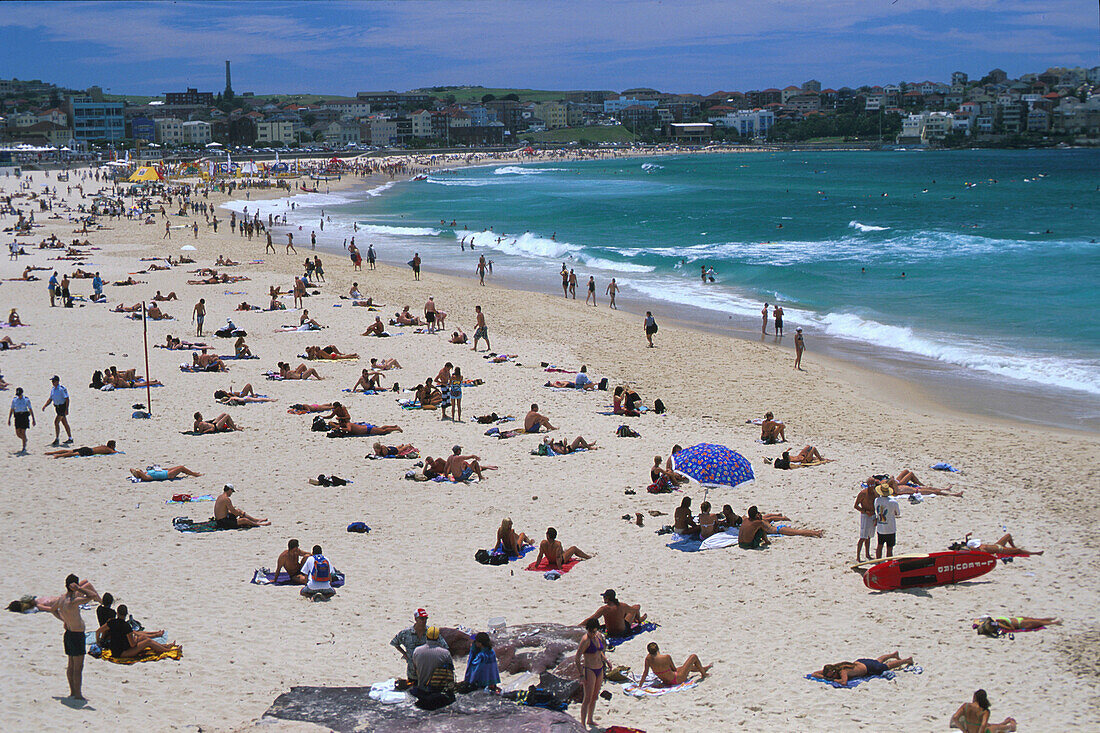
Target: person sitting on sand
708	522
619	618
275	305
162	474
319	573
683	523
306	319
997	625
384	364
427	395
1004	546
664	478
404	318
662	666
227	516
339	415
85	451
509	541
118	636
843	671
561	448
462	468
376	329
404	450
434	467
973	717
459	337
551	549
359	429
299	372
771	431
207	363
240	349
154	312
13	318
534	422
221	424
753	534
617	407
329	353
369	381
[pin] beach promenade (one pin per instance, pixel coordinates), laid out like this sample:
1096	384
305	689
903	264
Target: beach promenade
763	619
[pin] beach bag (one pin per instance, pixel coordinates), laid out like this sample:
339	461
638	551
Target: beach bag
602	386
498	559
624	431
319	425
482	556
359	527
658	407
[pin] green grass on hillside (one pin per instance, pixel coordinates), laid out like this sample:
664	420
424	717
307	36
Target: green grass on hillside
617	134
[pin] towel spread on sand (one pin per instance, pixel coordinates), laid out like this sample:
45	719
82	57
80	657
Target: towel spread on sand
173	653
887	675
365	391
614	641
544	566
204	497
186	524
263	576
234	357
653	687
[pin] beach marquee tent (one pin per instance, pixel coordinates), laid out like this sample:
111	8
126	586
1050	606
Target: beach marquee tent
145	173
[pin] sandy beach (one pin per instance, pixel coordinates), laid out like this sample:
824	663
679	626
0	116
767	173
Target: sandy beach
763	619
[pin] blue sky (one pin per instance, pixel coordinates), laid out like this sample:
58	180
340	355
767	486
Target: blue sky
680	45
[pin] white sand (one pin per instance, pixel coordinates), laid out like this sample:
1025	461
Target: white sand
764	619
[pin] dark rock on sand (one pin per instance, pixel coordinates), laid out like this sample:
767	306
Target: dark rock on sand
534	648
350	710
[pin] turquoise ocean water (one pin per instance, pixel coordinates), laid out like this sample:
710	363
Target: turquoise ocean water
998	248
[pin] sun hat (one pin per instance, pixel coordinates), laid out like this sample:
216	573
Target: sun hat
884	490
432	633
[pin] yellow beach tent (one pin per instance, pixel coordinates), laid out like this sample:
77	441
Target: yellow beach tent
145	173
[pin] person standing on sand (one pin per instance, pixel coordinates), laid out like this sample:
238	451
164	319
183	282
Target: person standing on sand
777	314
270	246
67	610
591	291
429	314
481	269
799	347
53	287
764	320
59	396
167	230
612	288
370	256
290	243
199	315
313	240
480	331
650	327
564	280
865	505
573	283
415	264
24	417
887	511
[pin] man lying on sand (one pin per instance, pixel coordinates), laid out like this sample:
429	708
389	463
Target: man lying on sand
360	429
162	474
843	671
618	617
221	424
384	364
207	363
808	455
228	516
299	372
754	531
85	451
329	353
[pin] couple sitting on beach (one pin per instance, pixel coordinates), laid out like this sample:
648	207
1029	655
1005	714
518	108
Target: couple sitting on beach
117	635
457	466
312	570
513	543
752	529
581	381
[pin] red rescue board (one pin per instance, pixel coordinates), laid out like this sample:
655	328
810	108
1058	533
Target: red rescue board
936	568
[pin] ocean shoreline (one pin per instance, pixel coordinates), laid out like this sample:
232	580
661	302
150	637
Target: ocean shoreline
953	388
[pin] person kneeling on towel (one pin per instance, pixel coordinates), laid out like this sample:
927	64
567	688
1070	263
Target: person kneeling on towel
318	572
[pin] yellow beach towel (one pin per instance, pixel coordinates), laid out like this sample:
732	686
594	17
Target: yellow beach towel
173	653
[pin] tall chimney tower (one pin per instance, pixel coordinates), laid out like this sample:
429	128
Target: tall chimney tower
228	83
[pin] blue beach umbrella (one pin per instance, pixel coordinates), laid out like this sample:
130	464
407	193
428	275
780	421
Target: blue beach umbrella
713	464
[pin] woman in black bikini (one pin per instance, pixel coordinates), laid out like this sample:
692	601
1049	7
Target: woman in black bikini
591	658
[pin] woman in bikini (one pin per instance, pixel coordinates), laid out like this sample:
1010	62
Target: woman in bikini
973	717
666	670
997	625
591	660
509	541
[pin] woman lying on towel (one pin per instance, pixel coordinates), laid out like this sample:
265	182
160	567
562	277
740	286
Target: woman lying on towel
843	671
124	642
809	455
562	448
245	397
162	474
299	372
404	450
910	486
221	424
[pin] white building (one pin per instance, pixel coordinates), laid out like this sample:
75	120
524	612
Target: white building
278	132
197	132
754	123
168	131
421	123
351	108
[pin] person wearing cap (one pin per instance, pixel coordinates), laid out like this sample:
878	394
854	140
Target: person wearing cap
799	347
887	510
407	640
59	396
24	417
427	661
618	617
227	516
460	467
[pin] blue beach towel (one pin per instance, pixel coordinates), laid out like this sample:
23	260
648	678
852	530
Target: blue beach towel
614	641
263	576
887	675
944	467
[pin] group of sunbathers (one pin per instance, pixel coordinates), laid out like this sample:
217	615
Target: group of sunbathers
753	528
